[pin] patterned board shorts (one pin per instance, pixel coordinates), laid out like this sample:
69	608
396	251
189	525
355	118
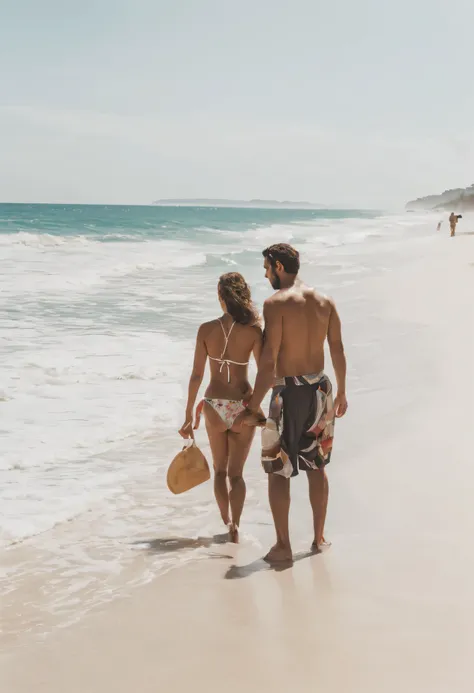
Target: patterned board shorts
300	426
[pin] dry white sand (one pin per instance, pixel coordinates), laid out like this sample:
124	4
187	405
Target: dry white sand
389	607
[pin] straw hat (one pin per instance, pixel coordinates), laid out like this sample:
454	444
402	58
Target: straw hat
188	469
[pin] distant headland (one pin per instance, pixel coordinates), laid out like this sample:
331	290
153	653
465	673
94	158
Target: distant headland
261	204
457	200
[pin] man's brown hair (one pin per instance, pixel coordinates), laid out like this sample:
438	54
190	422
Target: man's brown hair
284	253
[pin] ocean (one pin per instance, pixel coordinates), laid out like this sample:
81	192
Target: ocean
99	307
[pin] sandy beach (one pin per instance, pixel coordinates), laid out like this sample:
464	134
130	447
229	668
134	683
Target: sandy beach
389	606
150	152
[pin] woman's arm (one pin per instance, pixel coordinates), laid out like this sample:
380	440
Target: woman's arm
197	374
257	352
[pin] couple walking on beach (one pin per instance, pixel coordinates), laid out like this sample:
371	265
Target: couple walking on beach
298	433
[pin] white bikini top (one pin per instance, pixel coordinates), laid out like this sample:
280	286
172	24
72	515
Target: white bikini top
222	360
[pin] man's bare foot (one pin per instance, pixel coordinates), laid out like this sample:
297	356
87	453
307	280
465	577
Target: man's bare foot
279	554
233	533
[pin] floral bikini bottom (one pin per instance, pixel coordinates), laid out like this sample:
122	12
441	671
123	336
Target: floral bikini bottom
228	409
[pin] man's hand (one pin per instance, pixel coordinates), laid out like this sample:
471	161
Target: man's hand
250	418
340	404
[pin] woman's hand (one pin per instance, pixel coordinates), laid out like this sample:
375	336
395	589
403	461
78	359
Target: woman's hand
186	430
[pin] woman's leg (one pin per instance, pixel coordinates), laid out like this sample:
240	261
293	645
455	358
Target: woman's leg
218	440
239	448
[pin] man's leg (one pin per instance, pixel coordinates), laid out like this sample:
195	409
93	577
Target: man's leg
318	495
279	496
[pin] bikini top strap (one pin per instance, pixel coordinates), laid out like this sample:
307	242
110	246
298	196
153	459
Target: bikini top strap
226	336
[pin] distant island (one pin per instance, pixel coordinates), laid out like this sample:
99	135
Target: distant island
457	200
261	204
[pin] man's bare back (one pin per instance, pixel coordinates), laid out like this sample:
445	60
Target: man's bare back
298	320
305	317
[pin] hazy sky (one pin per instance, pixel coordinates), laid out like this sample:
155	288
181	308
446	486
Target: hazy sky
366	102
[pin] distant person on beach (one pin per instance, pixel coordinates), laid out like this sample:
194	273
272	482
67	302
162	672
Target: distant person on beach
453	220
299	430
228	343
438	228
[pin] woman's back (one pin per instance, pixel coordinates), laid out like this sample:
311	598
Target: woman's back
229	346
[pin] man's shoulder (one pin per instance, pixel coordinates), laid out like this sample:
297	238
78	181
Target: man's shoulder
281	297
323	300
270	301
310	293
274	303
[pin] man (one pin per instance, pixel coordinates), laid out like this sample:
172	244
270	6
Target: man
298	432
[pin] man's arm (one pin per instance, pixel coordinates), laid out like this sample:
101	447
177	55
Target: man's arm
269	357
336	348
258	345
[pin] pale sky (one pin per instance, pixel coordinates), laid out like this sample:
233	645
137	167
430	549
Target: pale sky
355	102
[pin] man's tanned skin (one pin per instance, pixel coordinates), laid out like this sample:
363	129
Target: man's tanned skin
298	320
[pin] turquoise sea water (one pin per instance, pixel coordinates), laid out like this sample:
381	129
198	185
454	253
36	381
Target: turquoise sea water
115	223
132	260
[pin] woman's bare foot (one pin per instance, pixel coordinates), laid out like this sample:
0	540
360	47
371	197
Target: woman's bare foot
279	554
317	547
233	533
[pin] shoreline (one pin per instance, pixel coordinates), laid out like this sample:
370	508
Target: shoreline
387	607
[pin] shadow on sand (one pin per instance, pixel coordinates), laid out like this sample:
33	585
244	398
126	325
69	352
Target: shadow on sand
236	572
169	544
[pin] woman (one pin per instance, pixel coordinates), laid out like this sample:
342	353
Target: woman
228	343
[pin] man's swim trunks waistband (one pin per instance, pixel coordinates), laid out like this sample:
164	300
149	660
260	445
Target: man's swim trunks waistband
298	380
